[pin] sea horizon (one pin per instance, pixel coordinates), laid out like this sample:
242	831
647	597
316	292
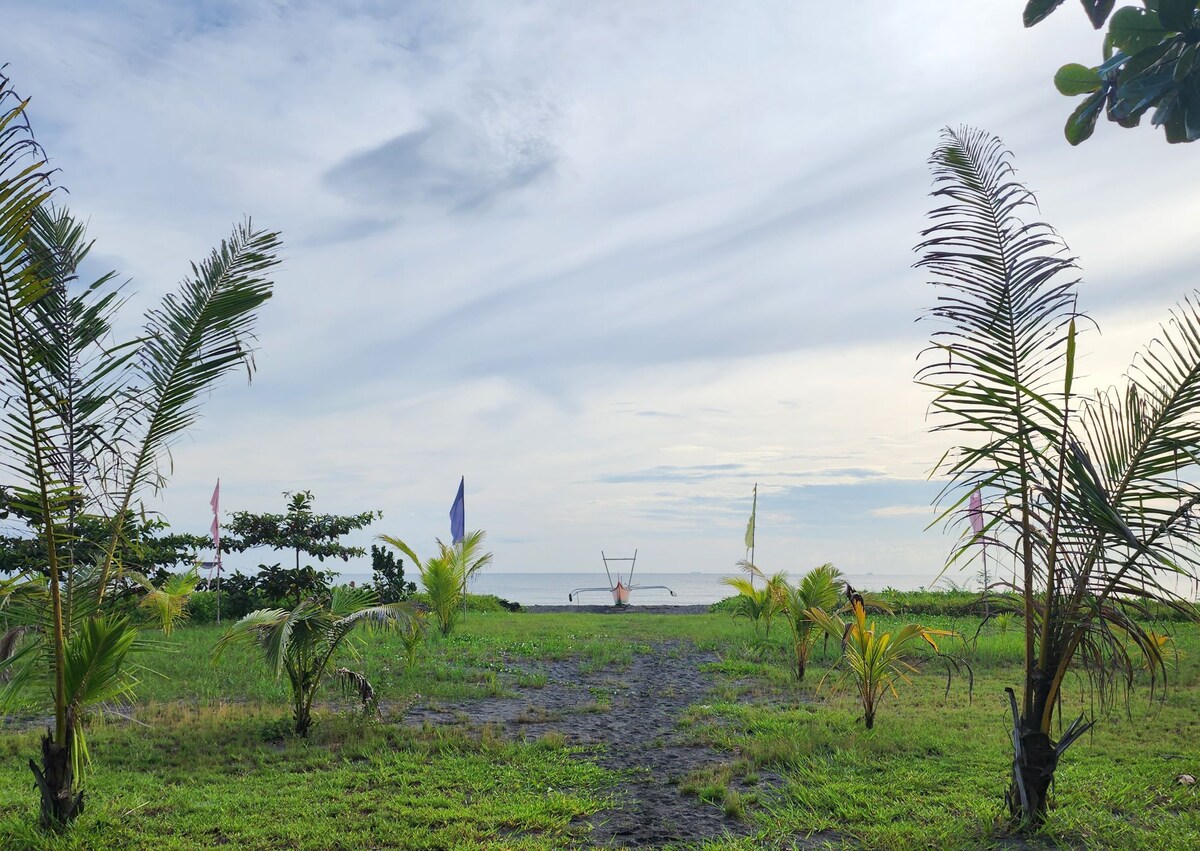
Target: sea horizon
692	588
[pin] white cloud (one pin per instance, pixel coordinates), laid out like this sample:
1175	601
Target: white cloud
613	262
902	511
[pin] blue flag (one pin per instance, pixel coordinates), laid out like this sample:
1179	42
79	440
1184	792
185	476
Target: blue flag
458	514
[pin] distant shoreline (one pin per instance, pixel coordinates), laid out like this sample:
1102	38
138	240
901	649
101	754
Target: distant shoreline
618	610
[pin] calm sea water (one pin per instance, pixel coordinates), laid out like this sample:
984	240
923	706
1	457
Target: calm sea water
691	589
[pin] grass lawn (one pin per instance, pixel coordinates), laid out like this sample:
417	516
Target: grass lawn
203	759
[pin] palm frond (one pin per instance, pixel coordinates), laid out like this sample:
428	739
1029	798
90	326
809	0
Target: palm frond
382	616
95	669
250	629
750	569
168	602
345	601
443	582
471	553
189	344
1004	308
352	682
68	328
819	588
402	547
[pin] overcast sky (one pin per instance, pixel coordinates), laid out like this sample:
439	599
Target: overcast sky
614	262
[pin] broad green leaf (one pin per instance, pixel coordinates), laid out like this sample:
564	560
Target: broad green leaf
1037	11
1098	11
1189	97
1133	29
1075	79
1082	122
1176	15
1185	63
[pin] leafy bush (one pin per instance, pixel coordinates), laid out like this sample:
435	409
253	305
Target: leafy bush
240	595
726	606
387	576
475	602
445	576
288	586
202	607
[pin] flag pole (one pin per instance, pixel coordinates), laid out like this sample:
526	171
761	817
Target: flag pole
218	586
975	512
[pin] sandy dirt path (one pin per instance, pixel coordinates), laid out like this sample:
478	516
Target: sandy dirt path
630	715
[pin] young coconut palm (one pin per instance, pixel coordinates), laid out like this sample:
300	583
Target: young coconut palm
87	426
302	643
874	662
758	604
820	588
1093	496
445	576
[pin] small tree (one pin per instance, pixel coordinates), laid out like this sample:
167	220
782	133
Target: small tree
817	589
299	530
387	576
757	604
874	662
88	425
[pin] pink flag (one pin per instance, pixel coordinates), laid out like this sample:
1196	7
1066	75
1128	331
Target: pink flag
215	502
976	512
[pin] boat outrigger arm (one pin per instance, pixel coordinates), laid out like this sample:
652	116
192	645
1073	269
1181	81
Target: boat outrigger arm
620	590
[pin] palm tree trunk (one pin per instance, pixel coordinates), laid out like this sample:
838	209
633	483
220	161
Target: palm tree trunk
1035	757
55	781
1034	762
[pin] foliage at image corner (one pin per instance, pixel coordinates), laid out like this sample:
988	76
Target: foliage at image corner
1149	63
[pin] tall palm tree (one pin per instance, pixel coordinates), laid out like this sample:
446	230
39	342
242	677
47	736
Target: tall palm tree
1091	494
89	426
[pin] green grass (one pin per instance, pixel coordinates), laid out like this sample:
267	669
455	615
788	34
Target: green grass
194	780
205	762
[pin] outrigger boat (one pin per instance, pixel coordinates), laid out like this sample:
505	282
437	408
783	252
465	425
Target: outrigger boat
620	590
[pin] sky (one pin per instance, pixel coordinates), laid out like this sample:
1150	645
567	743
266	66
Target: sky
615	263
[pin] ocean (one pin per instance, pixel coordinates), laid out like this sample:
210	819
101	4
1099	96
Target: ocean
691	589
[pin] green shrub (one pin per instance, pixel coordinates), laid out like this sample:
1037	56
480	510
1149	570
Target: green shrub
475	602
727	606
202	607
